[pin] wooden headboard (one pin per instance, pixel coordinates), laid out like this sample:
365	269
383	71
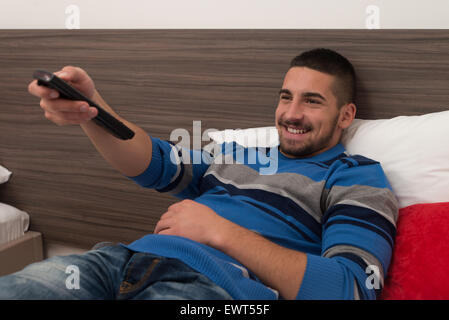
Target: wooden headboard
165	79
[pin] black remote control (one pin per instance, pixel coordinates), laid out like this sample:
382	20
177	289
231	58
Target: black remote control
66	91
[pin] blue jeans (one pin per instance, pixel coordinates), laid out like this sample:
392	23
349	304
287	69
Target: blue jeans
111	272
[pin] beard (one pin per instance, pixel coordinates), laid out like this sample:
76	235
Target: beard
300	149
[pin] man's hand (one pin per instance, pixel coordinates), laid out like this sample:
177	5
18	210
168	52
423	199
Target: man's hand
278	267
63	111
192	220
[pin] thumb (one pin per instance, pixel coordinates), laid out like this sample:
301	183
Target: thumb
72	74
78	78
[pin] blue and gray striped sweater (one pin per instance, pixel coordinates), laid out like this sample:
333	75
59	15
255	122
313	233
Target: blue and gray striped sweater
338	209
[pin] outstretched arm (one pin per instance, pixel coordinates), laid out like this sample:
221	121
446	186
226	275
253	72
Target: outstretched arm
130	157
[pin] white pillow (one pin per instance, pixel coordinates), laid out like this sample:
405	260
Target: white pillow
413	151
13	223
4	174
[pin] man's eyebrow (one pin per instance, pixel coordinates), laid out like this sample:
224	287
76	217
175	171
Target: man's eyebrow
313	95
285	91
305	94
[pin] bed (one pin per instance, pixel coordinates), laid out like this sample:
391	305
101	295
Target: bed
228	79
18	246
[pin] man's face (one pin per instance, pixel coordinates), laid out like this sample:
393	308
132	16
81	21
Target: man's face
307	117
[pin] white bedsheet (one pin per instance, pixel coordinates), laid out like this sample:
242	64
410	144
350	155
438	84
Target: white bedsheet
13	223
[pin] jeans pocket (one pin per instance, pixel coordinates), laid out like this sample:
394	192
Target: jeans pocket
138	271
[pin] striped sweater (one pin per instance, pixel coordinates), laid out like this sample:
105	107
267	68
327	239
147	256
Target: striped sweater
336	208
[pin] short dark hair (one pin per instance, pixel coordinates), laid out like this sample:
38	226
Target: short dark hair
333	63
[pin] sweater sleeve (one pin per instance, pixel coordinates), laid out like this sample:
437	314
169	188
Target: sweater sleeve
175	170
358	230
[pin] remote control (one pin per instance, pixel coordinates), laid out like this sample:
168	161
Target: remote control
66	91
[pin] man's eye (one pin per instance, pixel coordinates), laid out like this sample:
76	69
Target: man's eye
285	97
312	101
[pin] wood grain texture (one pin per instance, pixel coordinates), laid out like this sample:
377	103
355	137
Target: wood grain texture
165	79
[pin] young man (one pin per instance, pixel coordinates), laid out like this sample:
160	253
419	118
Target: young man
321	227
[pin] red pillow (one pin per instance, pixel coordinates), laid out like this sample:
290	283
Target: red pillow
420	264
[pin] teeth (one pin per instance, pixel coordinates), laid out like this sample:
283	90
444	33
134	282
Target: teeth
295	131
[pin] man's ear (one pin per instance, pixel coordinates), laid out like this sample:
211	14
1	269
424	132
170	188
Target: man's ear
347	115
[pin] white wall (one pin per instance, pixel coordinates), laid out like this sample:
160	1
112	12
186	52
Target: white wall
226	14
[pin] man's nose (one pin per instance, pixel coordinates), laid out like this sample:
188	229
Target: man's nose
295	111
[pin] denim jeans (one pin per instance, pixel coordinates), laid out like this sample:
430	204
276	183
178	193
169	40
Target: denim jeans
111	272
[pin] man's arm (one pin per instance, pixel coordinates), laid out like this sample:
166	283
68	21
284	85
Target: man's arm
277	267
130	157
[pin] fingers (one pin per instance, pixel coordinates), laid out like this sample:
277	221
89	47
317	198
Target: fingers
63	105
68	73
41	91
163	225
66	118
64	112
167	220
75	76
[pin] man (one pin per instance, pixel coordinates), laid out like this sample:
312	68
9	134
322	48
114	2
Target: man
321	227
